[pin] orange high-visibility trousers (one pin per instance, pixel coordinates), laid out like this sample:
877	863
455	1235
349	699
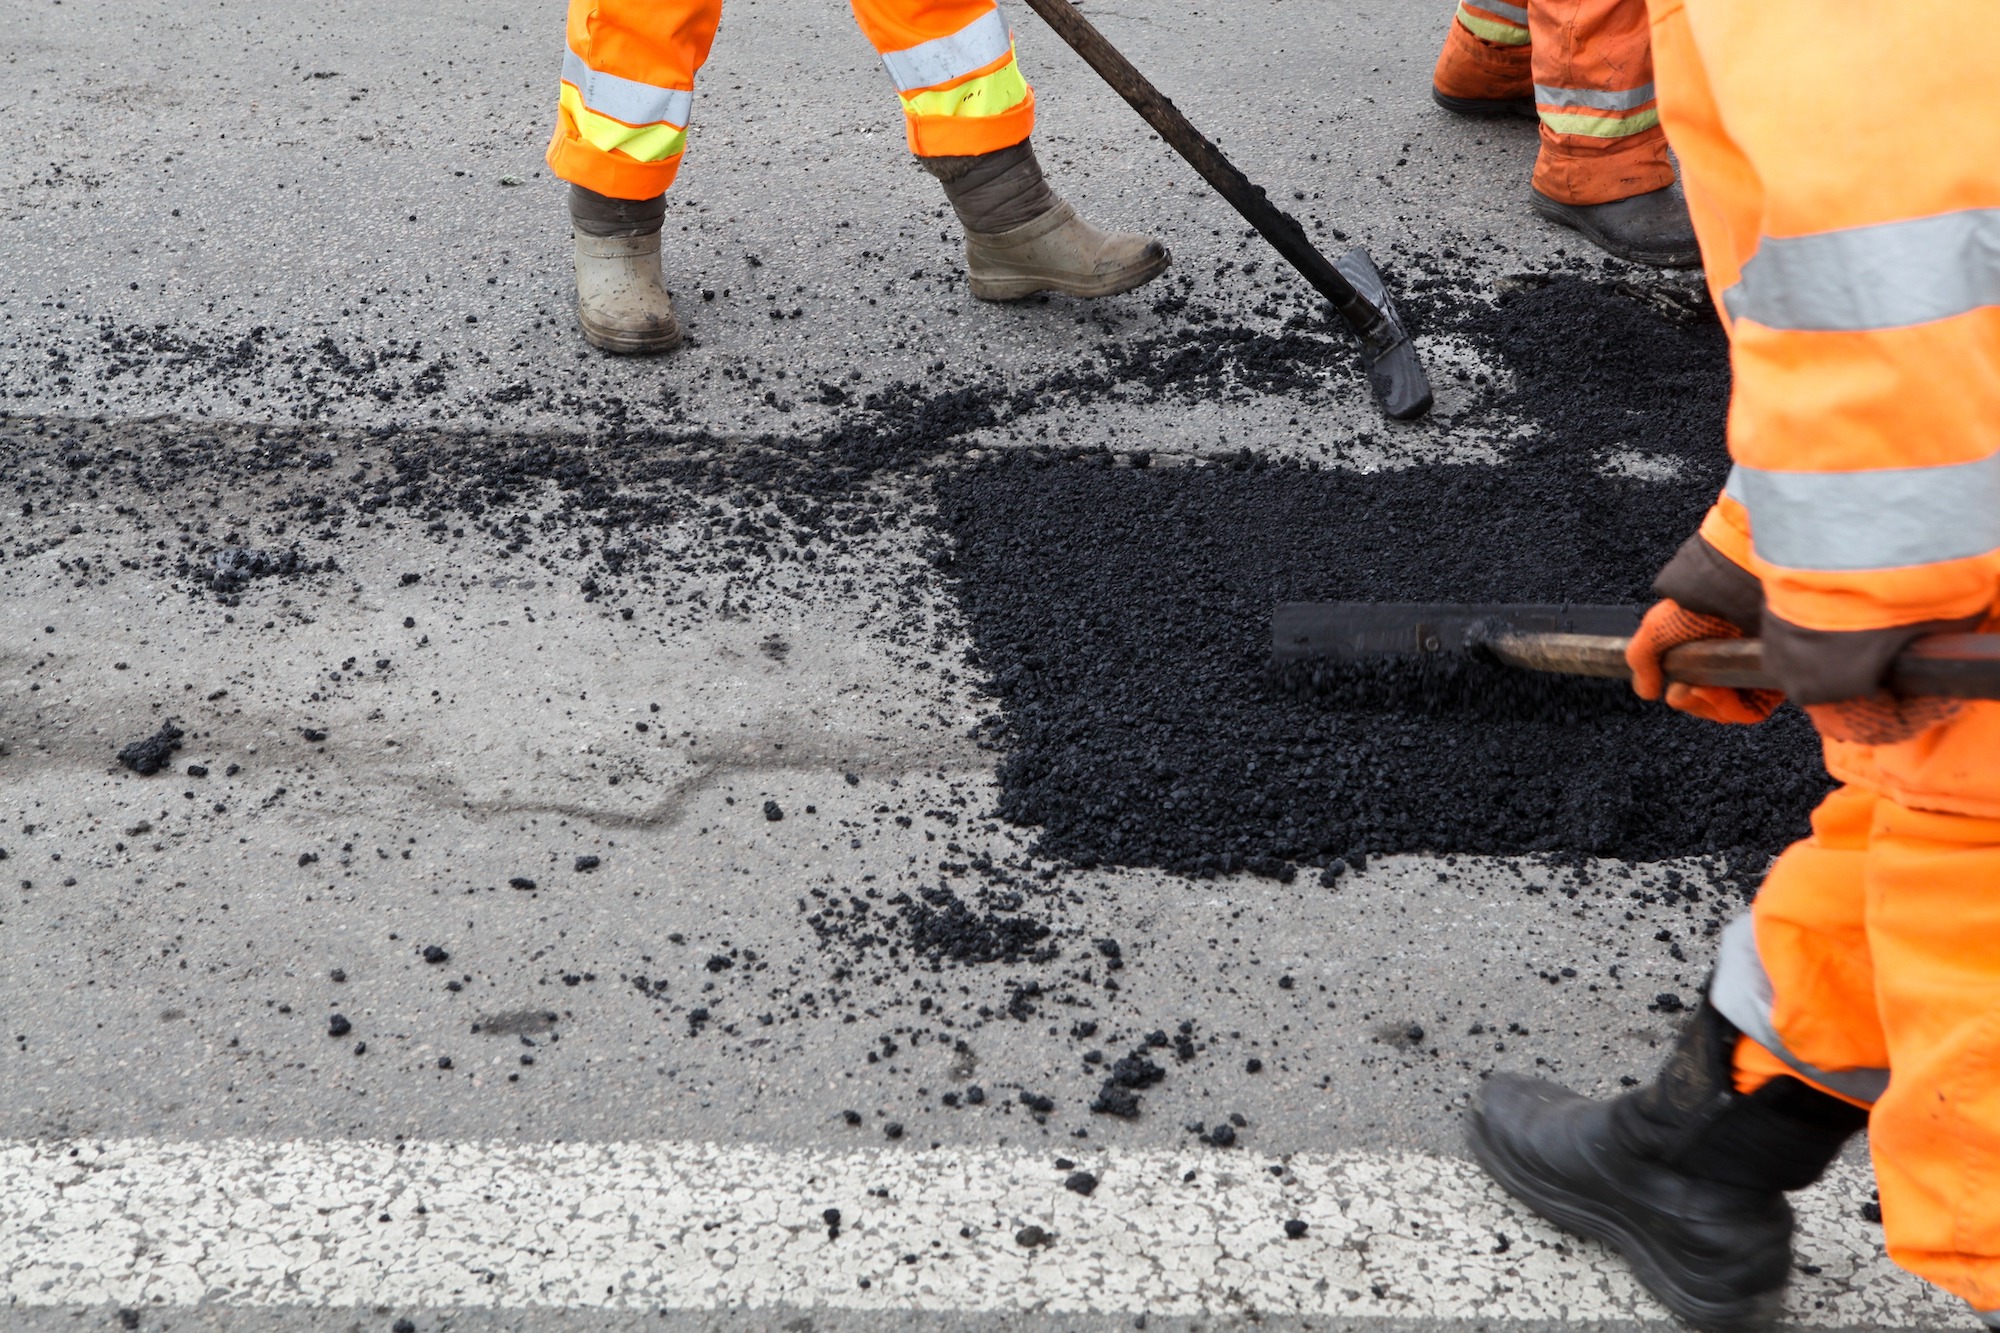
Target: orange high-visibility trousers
1870	966
628	70
1857	266
1588	65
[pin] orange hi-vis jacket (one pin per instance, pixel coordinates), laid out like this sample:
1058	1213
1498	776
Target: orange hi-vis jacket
628	84
1858	269
1842	164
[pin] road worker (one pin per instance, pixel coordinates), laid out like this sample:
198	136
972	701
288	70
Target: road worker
621	128
1858	268
1584	69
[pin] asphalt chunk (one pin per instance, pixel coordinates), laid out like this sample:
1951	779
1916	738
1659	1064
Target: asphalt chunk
150	754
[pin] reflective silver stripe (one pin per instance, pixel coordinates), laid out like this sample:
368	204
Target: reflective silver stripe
1512	13
1887	276
1596	99
1882	518
1741	992
942	59
1990	1318
626	99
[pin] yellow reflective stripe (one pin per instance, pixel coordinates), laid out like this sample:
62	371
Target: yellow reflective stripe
1601	127
1500	34
988	95
641	143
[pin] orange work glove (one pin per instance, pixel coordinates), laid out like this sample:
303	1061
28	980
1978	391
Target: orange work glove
1837	675
1881	720
1668	625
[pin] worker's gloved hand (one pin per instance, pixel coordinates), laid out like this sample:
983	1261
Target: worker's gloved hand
1883	719
1838	677
1668	625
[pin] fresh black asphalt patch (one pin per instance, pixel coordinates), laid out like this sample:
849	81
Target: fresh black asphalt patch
1121	614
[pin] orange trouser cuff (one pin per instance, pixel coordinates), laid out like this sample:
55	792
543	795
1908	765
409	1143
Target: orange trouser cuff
1753	1067
1578	169
1593	69
968	136
1470	66
612	174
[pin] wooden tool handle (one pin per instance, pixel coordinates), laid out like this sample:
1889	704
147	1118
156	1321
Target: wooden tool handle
1282	230
1953	666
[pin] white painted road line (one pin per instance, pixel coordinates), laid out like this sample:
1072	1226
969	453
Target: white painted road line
702	1226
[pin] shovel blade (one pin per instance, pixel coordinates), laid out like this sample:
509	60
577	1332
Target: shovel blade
1394	371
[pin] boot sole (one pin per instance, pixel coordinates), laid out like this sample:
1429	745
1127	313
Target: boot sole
1753	1315
1015	289
621	343
1486	108
1565	216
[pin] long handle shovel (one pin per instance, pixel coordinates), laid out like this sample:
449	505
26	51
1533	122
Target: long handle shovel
1353	283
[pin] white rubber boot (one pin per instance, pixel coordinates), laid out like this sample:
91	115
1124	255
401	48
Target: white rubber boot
1060	252
621	301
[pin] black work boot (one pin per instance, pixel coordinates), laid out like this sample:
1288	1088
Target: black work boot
1685	1178
1486	108
1650	228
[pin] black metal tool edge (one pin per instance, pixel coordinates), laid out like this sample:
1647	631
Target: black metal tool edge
1305	630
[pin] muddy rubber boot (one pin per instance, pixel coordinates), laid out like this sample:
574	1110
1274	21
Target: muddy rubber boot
1021	239
1685	1178
1651	228
621	301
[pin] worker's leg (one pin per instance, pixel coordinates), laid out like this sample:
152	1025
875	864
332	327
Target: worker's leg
627	90
968	112
1484	67
1934	931
953	64
621	127
1795	976
1686	1176
1603	166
